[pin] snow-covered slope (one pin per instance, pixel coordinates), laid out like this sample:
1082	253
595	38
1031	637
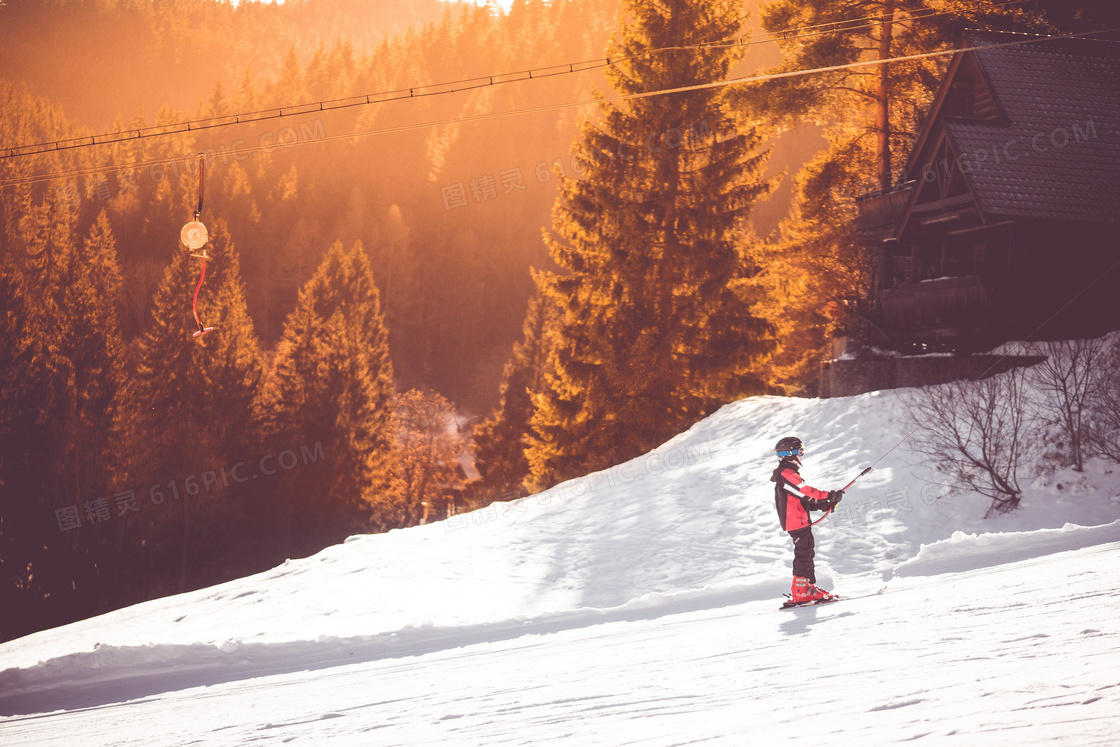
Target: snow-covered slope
674	561
999	656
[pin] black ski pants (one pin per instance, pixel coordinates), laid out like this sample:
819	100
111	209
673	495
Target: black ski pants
803	554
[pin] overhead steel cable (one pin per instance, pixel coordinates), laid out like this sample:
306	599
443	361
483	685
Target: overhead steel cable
441	89
554	107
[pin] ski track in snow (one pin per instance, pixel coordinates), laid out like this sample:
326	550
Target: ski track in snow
634	606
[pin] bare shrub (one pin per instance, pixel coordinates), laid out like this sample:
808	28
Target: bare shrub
1104	427
1067	383
974	432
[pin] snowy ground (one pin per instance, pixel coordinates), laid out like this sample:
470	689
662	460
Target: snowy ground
635	606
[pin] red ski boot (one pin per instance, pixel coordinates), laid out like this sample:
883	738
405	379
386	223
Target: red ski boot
803	591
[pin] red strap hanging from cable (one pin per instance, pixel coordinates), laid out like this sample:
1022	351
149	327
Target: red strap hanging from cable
202	276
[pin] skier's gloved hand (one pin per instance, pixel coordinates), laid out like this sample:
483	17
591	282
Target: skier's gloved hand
834	497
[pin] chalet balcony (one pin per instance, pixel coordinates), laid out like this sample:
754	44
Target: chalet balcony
940	314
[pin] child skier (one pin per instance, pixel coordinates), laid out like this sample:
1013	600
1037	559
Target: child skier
794	500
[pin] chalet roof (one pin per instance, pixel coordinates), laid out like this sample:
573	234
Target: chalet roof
1053	149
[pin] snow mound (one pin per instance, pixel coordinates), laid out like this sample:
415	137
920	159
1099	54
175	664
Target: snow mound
965	552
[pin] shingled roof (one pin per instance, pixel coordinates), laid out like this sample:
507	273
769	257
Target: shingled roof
1053	148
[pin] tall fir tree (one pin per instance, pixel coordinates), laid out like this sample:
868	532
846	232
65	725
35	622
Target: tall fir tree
82	324
657	326
84	300
58	404
500	441
330	392
32	565
188	411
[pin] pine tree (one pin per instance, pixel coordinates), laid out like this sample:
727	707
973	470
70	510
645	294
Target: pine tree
87	332
188	411
81	322
332	387
66	373
499	442
657	327
31	562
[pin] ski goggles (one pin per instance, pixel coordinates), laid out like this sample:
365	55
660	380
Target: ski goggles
793	452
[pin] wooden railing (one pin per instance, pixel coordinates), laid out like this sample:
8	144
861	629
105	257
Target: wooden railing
944	302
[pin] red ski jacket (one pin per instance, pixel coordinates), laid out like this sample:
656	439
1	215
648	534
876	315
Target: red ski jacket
794	499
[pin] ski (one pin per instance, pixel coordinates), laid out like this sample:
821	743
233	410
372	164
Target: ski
790	604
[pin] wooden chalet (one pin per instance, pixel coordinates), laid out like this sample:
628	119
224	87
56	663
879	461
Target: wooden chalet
1012	203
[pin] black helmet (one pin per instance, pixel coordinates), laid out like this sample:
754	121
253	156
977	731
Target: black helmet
789	446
